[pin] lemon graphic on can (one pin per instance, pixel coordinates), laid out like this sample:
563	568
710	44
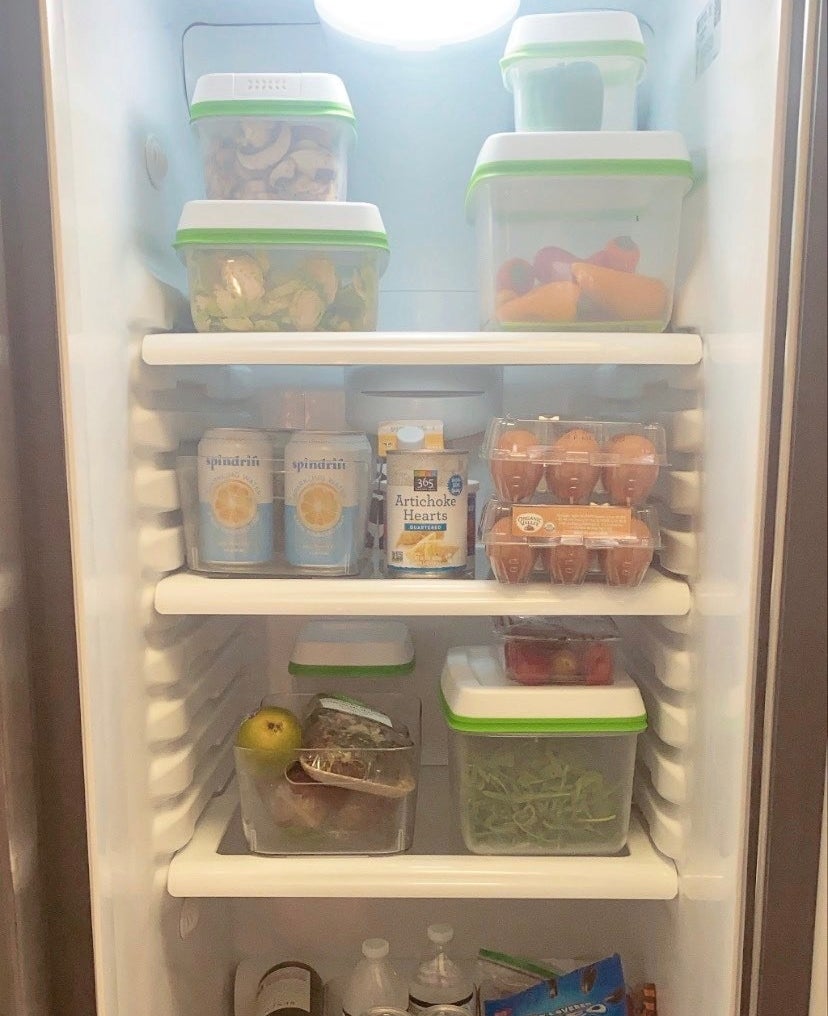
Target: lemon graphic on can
319	507
234	504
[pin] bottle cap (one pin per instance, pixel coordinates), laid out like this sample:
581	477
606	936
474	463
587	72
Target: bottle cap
410	439
440	934
375	948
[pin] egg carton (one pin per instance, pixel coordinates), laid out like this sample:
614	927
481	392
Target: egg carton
572	456
567	544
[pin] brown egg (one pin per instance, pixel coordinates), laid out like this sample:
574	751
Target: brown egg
626	564
511	560
573	482
516	479
630	482
567	562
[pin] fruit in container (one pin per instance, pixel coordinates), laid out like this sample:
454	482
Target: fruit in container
567	563
573	479
626	564
271	737
516	477
621	253
552	264
516	275
597	663
623	295
512	561
635	475
552	302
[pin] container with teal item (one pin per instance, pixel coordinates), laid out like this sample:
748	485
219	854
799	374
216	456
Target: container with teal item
579	230
270	136
275	266
539	770
576	71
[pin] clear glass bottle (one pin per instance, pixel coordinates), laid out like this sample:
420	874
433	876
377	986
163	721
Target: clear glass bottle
439	980
290	989
373	982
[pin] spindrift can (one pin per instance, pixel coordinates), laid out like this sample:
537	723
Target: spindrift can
426	514
235	493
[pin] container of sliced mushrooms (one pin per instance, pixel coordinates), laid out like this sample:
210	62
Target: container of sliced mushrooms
276	137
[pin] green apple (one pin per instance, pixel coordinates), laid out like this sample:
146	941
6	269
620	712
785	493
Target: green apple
271	737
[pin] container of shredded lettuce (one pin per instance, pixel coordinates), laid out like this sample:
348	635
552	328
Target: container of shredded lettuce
543	770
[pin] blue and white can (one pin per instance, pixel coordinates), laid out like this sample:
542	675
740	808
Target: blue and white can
235	495
327	493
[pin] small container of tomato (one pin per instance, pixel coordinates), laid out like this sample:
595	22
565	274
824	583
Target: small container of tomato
578	230
548	650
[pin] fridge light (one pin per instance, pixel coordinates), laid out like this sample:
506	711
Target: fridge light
416	24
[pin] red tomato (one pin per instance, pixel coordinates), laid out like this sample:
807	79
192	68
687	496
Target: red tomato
597	664
527	662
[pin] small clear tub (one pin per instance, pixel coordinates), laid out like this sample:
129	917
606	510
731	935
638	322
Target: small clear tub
274	137
282	265
568	544
548	650
300	803
539	771
578	231
575	71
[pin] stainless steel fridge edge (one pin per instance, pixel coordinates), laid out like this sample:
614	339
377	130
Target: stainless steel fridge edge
790	751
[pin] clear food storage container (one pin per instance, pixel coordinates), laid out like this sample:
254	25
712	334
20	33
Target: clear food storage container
578	231
250	509
571	459
575	71
282	266
548	650
274	136
329	775
546	770
567	544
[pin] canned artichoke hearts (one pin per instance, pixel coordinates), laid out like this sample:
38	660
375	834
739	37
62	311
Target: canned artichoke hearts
426	513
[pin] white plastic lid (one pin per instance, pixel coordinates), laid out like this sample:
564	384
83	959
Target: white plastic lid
478	697
352	647
410	439
574	34
375	948
507	157
440	934
321	223
303	94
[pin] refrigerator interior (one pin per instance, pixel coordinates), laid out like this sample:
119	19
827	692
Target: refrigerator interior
162	691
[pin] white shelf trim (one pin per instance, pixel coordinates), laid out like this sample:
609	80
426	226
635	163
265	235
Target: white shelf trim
414	348
199	870
188	593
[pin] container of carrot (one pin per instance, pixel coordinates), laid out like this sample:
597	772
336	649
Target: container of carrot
578	230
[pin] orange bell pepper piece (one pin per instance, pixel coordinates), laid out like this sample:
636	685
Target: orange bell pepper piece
554	302
623	295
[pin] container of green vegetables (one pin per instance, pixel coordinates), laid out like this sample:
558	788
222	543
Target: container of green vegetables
539	770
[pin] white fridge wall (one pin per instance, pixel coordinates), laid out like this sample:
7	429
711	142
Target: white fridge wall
117	75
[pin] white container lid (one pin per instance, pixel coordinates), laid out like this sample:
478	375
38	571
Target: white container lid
270	94
351	647
507	157
478	698
576	35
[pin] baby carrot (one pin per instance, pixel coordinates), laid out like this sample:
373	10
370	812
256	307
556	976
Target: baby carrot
624	295
554	301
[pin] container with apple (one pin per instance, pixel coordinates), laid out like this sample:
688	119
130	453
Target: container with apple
326	774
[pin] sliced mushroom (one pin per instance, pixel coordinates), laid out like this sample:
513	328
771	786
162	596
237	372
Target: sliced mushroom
269	156
256	134
309	161
285	170
252	190
306	310
322	271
